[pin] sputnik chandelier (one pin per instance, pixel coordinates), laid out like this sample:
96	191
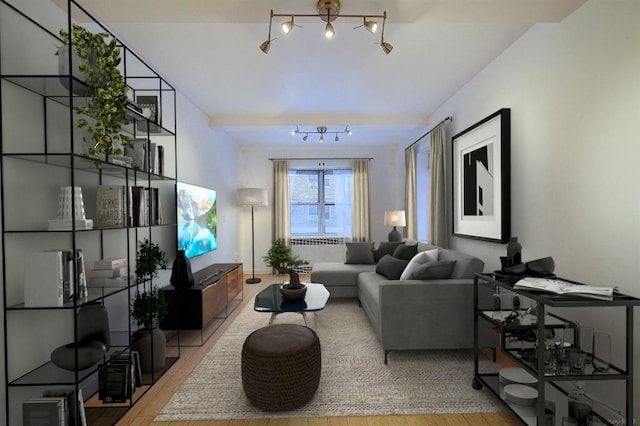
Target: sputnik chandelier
321	130
328	11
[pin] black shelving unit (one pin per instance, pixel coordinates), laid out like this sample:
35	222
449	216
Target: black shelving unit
42	150
535	365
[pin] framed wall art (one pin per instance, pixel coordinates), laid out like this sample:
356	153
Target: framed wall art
481	179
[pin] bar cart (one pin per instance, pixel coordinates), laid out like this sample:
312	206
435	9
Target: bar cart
532	361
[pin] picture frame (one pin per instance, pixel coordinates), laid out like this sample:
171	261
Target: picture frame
481	167
150	109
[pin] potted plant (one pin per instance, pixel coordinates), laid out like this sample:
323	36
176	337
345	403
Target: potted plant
148	308
149	259
97	62
280	258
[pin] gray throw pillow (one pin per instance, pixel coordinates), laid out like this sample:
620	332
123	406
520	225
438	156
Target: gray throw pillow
391	267
437	270
405	252
361	253
385	247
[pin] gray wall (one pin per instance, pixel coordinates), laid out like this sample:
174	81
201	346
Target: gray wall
574	93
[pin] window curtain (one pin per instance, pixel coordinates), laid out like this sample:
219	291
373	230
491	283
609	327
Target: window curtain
437	220
410	201
361	222
281	213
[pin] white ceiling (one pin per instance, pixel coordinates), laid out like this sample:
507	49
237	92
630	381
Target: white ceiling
208	49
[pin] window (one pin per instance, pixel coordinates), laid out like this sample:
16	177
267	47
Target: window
320	201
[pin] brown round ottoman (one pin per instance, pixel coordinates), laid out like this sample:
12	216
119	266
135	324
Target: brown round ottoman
281	366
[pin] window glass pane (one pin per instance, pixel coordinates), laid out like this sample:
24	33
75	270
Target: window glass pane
304	219
303	186
330	215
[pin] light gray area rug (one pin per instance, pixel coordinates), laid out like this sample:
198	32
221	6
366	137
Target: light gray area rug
354	381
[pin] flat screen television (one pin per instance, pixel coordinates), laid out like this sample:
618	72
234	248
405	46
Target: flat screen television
197	219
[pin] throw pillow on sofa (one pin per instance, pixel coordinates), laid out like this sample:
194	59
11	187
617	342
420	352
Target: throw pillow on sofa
391	267
419	259
360	253
405	252
385	247
438	270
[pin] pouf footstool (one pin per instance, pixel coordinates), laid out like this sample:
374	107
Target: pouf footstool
281	366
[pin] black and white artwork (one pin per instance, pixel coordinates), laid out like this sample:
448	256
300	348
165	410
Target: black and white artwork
481	186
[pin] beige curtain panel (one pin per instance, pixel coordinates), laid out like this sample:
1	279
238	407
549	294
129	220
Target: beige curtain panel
361	222
281	212
410	194
437	218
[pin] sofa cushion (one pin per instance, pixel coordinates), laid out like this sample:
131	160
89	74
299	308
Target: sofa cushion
406	252
361	253
419	259
391	267
433	270
385	247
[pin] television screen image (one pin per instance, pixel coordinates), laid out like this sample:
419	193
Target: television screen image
197	221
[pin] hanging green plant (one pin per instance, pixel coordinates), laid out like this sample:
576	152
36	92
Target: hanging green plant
106	108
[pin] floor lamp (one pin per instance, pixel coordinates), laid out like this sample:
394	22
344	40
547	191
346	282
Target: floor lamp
252	197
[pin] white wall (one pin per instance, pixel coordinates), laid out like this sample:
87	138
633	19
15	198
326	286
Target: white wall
574	93
208	158
256	171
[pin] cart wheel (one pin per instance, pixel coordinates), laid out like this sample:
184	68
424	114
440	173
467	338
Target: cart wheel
476	384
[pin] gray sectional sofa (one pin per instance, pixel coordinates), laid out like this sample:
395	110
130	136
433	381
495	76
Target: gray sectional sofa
411	314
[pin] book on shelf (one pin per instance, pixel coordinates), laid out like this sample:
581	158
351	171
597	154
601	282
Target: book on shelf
161	160
114	382
44	279
74	404
110	263
111	282
111	206
67	224
107	273
45	411
153	158
559	286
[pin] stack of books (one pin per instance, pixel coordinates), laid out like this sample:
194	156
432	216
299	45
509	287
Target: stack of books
108	273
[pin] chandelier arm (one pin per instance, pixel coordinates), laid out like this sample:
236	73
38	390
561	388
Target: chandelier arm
315	15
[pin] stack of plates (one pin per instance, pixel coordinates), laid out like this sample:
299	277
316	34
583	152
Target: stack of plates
521	394
518	376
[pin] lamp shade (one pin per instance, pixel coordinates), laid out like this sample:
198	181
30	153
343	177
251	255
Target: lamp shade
255	197
394	218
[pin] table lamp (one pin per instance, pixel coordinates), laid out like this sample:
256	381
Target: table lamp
394	218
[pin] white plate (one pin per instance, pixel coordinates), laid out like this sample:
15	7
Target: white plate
516	375
521	394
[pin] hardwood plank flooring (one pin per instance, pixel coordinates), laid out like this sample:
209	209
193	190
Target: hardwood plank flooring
145	410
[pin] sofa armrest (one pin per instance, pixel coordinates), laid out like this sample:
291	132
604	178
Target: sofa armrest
422	314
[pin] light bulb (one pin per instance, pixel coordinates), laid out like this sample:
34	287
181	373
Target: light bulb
329	31
287	26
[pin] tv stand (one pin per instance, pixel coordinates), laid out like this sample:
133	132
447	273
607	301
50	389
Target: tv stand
195	313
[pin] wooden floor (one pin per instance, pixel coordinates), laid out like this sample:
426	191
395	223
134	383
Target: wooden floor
145	410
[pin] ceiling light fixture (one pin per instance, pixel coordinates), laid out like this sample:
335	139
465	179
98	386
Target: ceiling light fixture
328	11
287	26
267	43
386	47
322	130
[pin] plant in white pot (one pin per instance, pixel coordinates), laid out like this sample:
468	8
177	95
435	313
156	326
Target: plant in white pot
280	258
97	59
148	308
